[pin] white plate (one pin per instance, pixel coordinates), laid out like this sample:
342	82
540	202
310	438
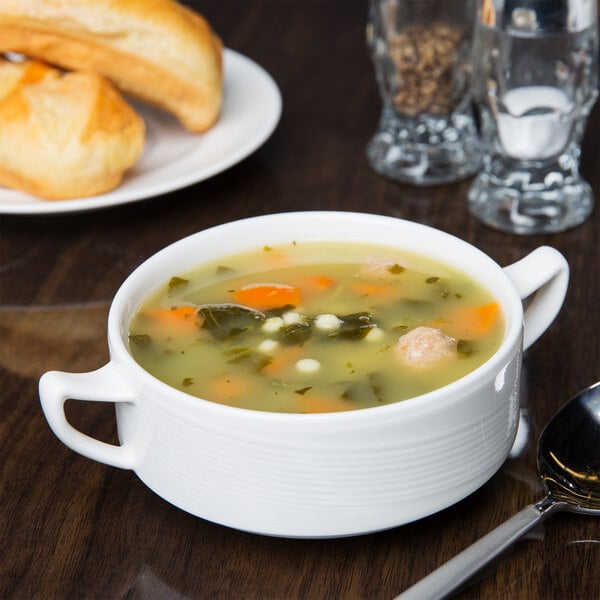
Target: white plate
174	158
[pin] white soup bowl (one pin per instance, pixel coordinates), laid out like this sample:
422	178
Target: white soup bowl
314	475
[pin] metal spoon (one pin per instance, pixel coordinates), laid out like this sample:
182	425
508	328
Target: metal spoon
569	465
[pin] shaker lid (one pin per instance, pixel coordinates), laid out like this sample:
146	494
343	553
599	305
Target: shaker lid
535	17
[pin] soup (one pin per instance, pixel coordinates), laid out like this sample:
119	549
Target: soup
316	327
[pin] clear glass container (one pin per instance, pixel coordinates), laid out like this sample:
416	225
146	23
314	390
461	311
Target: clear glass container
421	51
535	82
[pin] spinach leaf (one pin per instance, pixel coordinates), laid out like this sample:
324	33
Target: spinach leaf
354	326
295	333
227	320
278	312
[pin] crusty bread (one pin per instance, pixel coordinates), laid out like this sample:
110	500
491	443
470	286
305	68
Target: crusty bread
65	135
156	50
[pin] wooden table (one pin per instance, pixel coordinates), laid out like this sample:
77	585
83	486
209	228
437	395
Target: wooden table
73	528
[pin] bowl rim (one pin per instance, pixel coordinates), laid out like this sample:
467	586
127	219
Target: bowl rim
450	393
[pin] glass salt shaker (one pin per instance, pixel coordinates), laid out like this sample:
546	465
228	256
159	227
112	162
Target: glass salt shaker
421	50
535	82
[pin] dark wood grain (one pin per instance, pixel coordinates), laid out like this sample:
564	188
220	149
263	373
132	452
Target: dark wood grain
73	528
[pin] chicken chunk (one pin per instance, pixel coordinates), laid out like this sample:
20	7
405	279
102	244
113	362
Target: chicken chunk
424	346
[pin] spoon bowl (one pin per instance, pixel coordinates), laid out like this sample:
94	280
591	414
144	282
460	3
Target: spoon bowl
569	453
568	462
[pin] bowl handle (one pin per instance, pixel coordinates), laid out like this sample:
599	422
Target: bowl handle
541	277
102	385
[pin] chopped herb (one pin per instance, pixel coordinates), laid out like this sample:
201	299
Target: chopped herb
177	281
227	320
396	269
267	248
445	294
432	279
141	340
187	381
375	383
400	328
302	391
466	347
351	369
458	295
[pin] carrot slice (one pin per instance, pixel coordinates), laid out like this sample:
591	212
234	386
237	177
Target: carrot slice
229	386
320	282
315	404
179	319
285	357
377	290
470	321
268	296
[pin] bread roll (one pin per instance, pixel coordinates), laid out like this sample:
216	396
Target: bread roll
13	76
65	135
156	50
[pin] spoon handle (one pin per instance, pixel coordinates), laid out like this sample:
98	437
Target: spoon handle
447	578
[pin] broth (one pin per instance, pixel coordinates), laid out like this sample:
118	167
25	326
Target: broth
316	327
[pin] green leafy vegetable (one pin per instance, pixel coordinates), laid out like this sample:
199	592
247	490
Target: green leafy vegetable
227	320
177	281
142	340
302	391
295	333
466	347
238	353
354	326
396	269
256	361
278	311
